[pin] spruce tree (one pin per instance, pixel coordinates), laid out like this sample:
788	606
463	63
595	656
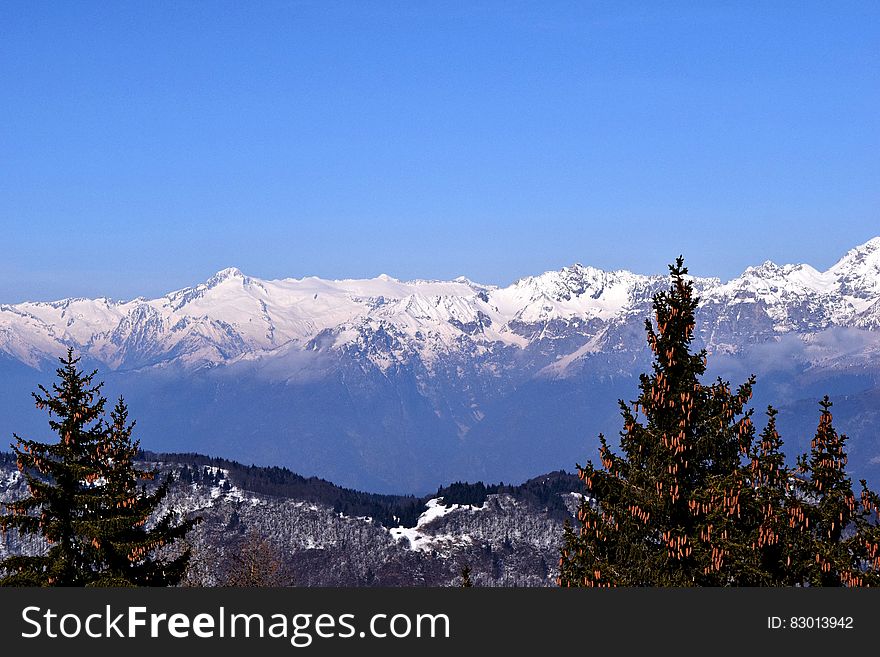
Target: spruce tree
841	545
694	499
123	546
773	538
663	512
84	499
466	582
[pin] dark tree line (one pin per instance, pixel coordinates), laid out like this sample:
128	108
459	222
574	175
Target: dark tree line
388	510
544	492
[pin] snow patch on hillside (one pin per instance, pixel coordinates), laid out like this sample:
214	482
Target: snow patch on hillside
9	479
419	537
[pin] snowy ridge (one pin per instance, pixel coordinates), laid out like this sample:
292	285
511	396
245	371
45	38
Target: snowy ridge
233	317
575	291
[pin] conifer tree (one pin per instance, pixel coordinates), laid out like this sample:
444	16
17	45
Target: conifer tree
662	513
122	543
773	538
84	499
842	546
694	499
466	582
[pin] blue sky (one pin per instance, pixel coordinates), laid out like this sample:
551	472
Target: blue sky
144	146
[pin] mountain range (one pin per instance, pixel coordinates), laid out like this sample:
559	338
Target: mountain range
400	386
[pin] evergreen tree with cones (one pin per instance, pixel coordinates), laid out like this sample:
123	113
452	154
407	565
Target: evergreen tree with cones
664	511
695	500
773	538
841	535
85	500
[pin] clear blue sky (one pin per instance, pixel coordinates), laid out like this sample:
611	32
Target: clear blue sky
145	145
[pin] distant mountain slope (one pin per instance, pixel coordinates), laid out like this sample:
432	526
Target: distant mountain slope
401	386
324	535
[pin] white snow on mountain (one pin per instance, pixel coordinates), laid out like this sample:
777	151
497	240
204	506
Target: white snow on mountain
232	316
421	537
857	274
838	296
576	291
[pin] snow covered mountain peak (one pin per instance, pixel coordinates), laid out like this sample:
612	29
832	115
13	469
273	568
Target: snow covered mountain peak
229	272
858	272
766	269
871	246
798	278
862	260
231	314
576	291
223	276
